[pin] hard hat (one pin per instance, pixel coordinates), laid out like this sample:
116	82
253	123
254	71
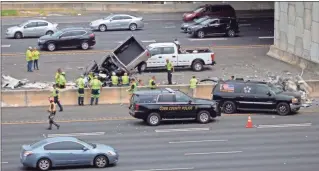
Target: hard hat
30	47
82	76
96	76
63	73
113	73
125	74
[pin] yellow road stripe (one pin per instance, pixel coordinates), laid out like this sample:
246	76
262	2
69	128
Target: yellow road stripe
104	51
119	119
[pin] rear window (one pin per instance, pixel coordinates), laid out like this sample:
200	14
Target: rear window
143	98
38	144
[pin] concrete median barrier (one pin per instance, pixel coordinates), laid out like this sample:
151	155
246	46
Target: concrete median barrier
127	7
109	95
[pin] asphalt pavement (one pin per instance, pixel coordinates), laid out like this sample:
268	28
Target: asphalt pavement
275	143
253	31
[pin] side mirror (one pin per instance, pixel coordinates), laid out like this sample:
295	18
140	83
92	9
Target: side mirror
85	149
269	94
25	27
110	20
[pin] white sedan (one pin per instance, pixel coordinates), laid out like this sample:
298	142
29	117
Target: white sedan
117	22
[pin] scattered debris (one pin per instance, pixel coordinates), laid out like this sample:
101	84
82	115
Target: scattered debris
10	82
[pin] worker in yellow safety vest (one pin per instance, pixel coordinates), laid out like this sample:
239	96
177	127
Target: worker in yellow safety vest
96	87
91	76
62	80
125	80
56	95
133	87
57	76
114	79
80	83
152	83
192	85
29	59
36	56
170	69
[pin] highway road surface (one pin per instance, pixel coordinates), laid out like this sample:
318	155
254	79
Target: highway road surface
275	143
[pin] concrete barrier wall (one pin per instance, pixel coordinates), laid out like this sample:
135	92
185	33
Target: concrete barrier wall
115	95
125	7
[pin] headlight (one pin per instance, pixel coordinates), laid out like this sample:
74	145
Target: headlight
41	41
294	100
111	153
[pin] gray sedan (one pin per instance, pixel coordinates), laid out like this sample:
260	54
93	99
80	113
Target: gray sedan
118	21
31	28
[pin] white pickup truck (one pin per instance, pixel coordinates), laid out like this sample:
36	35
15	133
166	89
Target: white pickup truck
196	59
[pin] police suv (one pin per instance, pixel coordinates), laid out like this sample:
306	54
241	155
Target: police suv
154	105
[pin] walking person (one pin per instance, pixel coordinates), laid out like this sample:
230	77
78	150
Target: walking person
29	59
80	83
170	69
57	76
133	87
152	84
52	111
96	86
35	55
55	95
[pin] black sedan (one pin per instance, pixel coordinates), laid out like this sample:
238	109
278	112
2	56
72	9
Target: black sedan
70	37
185	25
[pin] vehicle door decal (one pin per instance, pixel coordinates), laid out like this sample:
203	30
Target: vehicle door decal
228	88
247	89
173	108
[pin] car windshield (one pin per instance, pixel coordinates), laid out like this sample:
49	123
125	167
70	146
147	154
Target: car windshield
198	10
56	34
200	20
275	89
108	17
89	144
22	24
205	22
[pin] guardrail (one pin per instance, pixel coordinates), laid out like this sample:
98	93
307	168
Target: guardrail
109	95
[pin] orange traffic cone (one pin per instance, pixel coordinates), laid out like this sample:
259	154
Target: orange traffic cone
249	123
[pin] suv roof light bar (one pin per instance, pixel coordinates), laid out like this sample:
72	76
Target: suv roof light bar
170	90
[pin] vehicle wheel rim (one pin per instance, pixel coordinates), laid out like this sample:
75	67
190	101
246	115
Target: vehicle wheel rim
85	45
51	47
154	120
198	67
203	117
102	28
282	109
231	33
228	108
18	35
133	27
100	161
44	164
200	34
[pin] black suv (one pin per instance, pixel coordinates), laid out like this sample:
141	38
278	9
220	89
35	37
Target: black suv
235	95
154	105
222	26
70	37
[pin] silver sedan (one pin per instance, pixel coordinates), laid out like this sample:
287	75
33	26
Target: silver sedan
118	21
31	28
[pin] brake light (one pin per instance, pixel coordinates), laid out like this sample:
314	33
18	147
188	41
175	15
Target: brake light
147	53
27	153
92	35
137	106
212	56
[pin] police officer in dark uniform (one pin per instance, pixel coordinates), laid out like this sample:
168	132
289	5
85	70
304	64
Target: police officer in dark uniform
52	111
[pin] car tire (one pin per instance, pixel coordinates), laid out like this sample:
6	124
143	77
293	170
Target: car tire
197	66
229	107
142	67
49	32
18	35
44	164
133	27
203	117
200	34
85	45
51	47
231	33
102	28
283	109
101	161
153	119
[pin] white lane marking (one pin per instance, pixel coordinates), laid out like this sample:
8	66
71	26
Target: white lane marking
244	25
284	125
208	39
182	130
148	41
266	37
4	162
168	27
44	136
145	23
5	46
168	169
199	141
76	134
221	152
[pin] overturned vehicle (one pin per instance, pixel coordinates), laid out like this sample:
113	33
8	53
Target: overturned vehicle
126	58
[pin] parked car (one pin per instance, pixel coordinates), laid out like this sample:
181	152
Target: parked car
69	37
154	105
185	25
233	95
118	21
215	26
31	28
67	151
196	59
214	10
